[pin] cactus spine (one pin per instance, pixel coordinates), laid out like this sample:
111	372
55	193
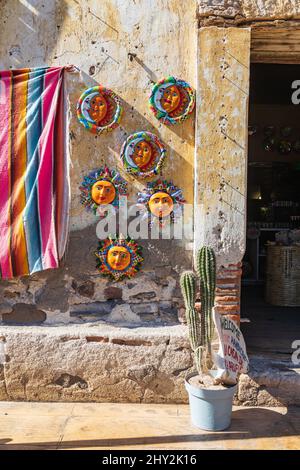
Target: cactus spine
200	324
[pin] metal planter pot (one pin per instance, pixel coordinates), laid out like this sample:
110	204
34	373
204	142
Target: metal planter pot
210	409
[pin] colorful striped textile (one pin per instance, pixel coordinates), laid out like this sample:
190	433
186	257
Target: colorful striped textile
34	175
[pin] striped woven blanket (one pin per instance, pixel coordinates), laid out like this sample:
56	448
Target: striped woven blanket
34	177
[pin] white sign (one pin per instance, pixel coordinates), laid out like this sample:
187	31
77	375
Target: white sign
231	359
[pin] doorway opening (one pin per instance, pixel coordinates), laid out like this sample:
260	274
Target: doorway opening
270	308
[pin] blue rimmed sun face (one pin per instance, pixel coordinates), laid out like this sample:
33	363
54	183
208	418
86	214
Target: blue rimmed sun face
172	100
143	154
99	109
118	258
102	187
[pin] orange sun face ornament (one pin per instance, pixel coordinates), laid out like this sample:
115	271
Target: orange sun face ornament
103	192
161	201
118	258
172	100
143	154
100	188
161	204
99	109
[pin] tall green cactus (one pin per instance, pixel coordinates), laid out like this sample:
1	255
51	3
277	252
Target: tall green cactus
188	288
206	270
200	324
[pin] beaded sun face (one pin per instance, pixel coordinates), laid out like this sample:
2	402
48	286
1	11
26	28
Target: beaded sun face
99	109
162	201
172	100
102	187
118	258
143	154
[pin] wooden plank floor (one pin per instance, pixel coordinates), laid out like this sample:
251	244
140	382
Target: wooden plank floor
110	426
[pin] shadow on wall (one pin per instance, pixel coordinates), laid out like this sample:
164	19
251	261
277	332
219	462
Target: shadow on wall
22	23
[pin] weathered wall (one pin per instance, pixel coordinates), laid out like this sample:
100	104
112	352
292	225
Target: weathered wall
221	154
245	11
92	362
98	37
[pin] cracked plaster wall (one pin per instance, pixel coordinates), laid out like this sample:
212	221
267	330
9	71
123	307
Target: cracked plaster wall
97	37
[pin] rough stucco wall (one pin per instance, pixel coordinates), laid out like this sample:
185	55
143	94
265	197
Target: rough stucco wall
249	10
221	153
97	37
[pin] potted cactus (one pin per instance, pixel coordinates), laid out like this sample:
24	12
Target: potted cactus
209	397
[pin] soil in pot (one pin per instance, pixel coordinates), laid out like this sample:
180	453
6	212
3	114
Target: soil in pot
206	382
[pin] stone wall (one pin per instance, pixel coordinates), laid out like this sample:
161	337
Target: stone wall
94	363
241	12
125	45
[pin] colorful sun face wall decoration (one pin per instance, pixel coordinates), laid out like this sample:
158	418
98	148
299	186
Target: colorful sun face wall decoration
102	187
161	200
142	154
118	258
172	100
99	109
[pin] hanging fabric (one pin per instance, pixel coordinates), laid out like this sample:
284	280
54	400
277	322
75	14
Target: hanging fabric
34	173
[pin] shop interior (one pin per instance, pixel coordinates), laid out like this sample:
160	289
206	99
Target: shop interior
270	311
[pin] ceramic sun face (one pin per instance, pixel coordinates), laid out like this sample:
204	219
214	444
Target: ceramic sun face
118	258
143	154
99	109
162	202
172	100
102	187
103	192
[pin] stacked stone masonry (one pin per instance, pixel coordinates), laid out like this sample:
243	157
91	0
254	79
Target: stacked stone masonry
241	12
